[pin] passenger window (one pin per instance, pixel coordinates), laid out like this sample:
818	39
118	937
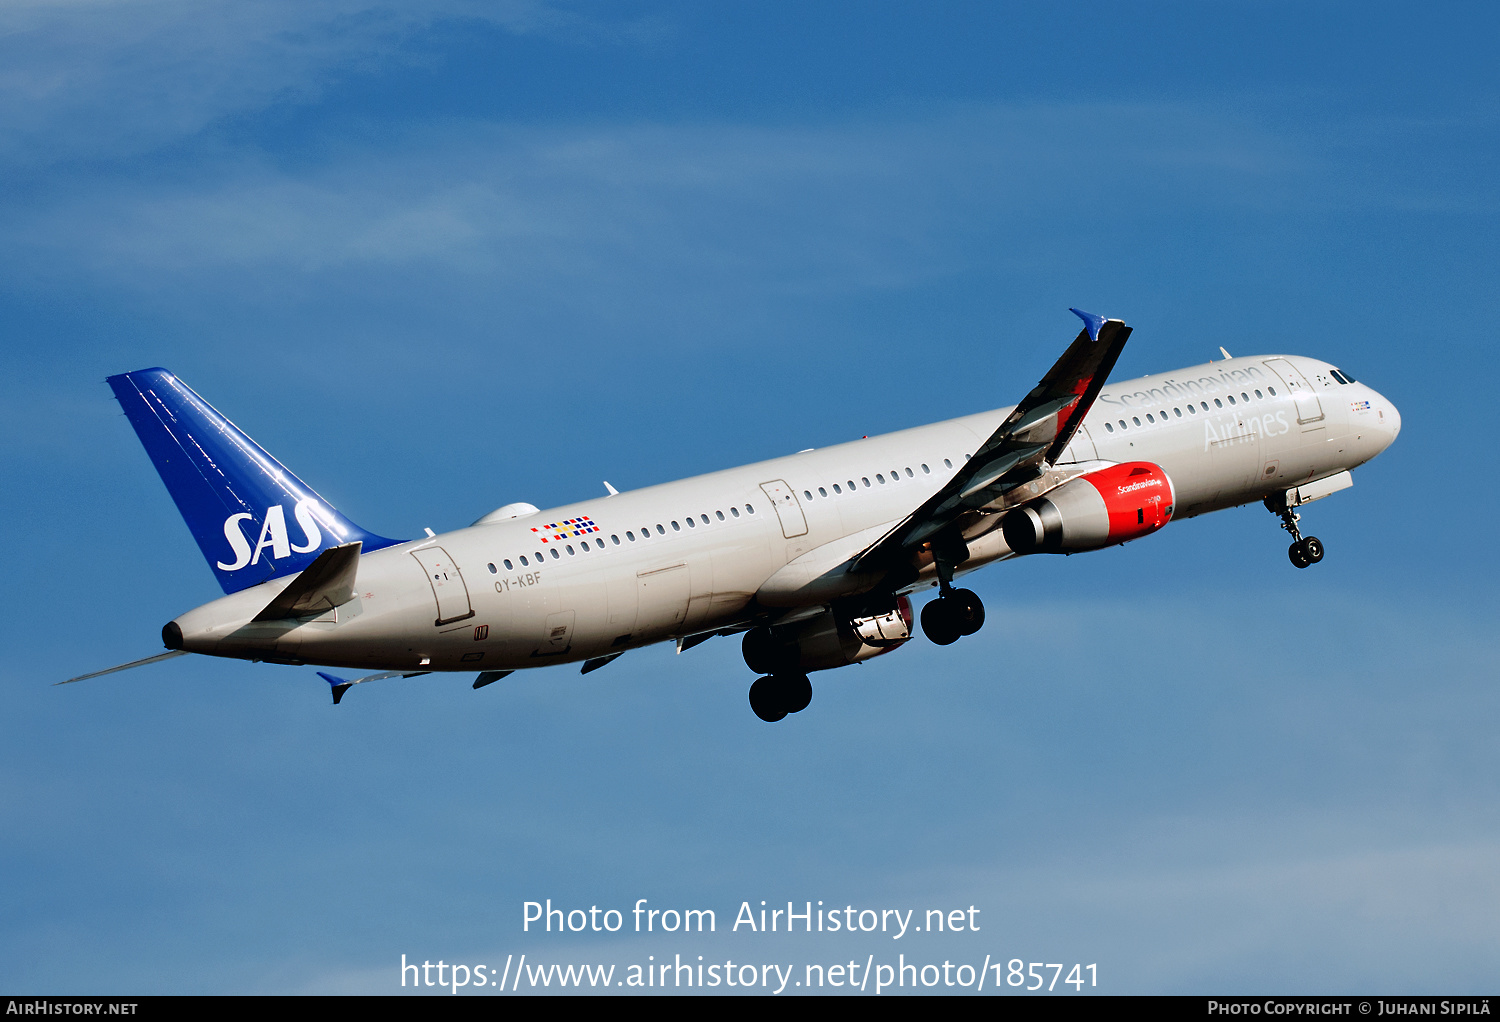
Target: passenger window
926	470
750	509
523	560
879	478
571	551
865	480
615	540
836	488
555	555
852	487
691	524
538	556
947	462
1150	417
1258	395
630	536
735	511
492	568
676	527
704	519
1109	427
821	492
909	473
584	543
807	494
1122	424
1217	403
659	530
1271	391
1177	412
1192	409
1231	398
1136	419
508	566
719	515
1245	397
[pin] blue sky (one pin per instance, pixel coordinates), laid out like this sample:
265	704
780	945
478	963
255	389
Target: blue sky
442	257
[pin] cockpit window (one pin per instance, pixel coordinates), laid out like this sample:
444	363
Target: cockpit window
1342	377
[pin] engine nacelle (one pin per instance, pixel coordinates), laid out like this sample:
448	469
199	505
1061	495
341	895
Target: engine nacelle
1112	505
832	639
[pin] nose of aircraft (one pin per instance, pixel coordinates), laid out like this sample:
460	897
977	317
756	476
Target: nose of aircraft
1389	419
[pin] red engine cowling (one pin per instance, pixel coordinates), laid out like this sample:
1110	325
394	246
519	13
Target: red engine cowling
1113	505
832	639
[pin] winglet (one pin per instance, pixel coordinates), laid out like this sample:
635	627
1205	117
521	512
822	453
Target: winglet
339	685
1091	321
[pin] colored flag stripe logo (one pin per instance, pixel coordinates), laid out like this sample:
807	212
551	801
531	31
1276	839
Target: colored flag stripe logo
568	528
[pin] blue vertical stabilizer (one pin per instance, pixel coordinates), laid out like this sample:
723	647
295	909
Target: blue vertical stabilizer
252	518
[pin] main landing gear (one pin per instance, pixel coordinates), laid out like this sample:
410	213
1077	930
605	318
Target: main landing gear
956	612
776	695
1303	551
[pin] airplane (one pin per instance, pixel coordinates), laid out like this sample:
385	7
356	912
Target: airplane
811	558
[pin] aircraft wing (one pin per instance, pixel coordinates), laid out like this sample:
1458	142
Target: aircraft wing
1032	436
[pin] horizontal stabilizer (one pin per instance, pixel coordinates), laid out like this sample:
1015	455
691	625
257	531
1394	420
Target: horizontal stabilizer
125	667
326	583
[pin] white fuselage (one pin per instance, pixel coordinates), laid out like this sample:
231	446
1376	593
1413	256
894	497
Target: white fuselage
717	551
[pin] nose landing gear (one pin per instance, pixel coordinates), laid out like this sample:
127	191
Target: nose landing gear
1302	551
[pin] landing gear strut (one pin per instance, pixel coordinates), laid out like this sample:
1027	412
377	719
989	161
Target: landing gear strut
776	695
1302	551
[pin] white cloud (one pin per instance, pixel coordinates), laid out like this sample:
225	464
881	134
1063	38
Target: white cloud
105	79
864	200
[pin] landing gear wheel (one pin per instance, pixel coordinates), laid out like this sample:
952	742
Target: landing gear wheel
1306	551
777	695
796	690
970	611
941	622
766	701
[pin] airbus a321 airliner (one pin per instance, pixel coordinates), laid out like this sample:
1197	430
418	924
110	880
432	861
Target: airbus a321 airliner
812	558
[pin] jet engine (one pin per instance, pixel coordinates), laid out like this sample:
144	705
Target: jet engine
833	638
1113	505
